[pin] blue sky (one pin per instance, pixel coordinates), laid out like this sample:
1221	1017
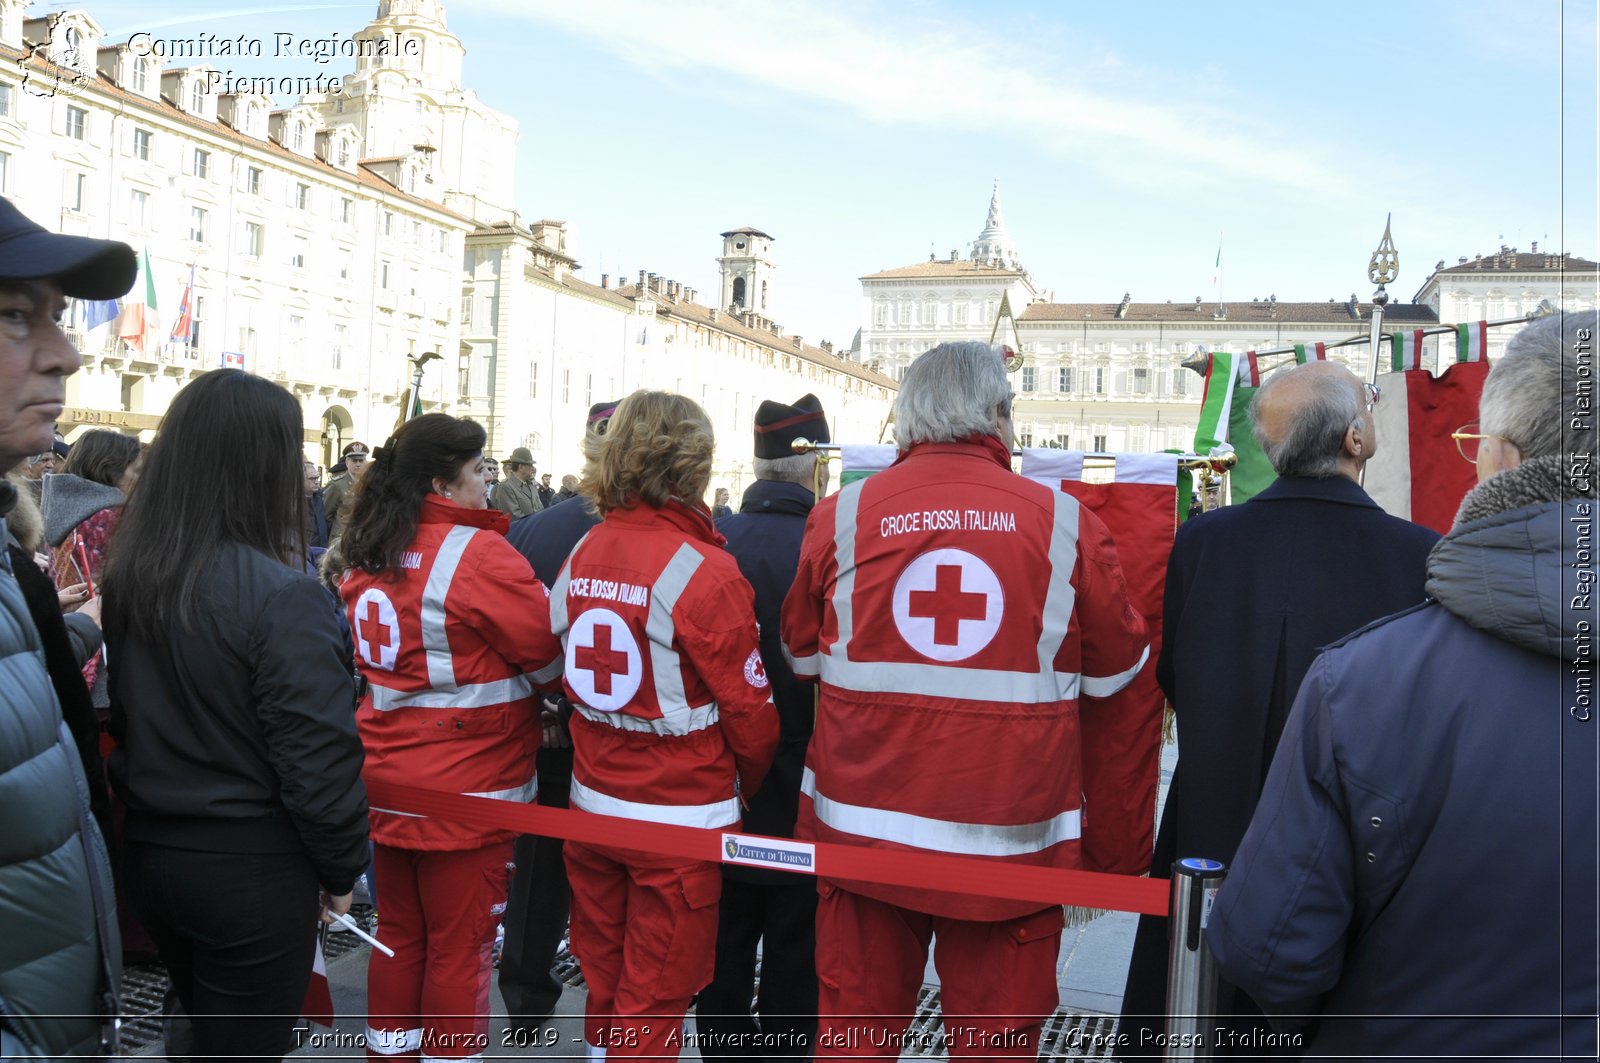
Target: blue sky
864	135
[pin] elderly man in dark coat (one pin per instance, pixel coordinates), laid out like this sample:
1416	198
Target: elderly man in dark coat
1253	592
772	909
1421	872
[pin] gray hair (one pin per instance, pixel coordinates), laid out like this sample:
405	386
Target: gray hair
1532	397
950	393
1314	442
793	469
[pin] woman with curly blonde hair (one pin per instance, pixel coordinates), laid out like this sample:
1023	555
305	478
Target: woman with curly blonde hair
673	721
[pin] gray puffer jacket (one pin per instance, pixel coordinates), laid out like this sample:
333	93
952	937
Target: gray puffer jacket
52	958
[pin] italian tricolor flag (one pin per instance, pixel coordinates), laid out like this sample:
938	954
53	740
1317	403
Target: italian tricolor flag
860	460
1417	473
1310	352
139	328
1231	383
1472	341
1405	350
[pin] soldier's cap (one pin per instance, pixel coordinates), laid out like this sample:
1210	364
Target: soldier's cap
353	448
84	267
779	424
520	456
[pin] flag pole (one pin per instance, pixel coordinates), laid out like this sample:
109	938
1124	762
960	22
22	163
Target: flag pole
1382	269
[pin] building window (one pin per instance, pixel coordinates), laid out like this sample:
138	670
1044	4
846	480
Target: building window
77	120
383	276
340	335
302	196
297	331
1025	436
139	208
5	171
1180	382
566	386
197	97
388	223
466	310
344	265
416	232
141	144
344	148
254	239
196	315
1100	381
299	136
298	259
347	209
1028	381
252	180
5	99
75	191
1064	378
202	163
533	380
958	314
141	76
1100	444
930	314
197	224
1141	380
880	314
588	390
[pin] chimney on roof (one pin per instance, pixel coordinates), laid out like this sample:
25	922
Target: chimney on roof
605	281
712	312
1354	306
955	256
1534	248
642	276
688	295
1122	308
827	345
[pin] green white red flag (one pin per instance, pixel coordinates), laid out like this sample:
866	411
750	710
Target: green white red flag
1417	472
1405	350
1472	341
140	329
1225	418
1310	352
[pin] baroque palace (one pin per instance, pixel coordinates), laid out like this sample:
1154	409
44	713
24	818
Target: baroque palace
328	244
1105	376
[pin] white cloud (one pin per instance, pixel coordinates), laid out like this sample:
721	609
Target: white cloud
896	71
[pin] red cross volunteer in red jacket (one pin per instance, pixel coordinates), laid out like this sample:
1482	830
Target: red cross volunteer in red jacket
962	621
453	636
674	719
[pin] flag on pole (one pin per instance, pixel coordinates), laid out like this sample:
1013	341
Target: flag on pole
1417	473
1216	272
1139	508
139	326
1249	371
1310	352
185	322
1225	418
1472	341
318	1004
1405	350
97	312
860	460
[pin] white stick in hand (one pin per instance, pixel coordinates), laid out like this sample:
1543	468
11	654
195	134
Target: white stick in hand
355	928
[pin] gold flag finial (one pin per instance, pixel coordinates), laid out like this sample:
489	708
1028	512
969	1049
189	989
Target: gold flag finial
1385	264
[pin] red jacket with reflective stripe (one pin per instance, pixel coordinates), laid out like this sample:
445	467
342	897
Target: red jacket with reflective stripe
452	651
675	712
955	614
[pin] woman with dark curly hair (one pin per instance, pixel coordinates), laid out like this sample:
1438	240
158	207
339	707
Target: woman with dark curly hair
673	721
452	633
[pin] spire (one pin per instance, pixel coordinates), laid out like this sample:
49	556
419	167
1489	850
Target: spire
994	246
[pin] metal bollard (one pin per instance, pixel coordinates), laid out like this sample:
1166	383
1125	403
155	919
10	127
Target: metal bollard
1191	970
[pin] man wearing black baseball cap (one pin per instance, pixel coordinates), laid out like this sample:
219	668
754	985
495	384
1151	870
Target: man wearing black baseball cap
60	998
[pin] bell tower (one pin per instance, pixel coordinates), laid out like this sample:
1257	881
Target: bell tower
747	269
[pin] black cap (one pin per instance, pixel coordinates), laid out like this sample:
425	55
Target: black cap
85	268
62	448
599	414
778	425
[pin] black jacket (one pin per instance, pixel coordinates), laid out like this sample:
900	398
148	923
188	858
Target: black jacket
239	735
764	537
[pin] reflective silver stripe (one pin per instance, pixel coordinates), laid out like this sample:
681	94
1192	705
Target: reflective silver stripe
946	681
470	696
1098	686
559	621
939	835
436	644
810	666
716	814
397	812
549	672
681	720
1060	598
659	629
523	793
844	561
394	1042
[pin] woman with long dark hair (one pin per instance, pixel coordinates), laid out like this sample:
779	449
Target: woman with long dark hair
237	753
452	634
673	716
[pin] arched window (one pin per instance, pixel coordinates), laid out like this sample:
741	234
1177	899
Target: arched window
197	97
738	291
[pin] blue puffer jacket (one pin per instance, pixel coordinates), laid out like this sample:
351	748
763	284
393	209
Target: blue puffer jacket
51	956
1425	845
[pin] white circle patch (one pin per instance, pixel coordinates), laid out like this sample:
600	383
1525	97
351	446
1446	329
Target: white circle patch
948	604
377	629
603	663
755	670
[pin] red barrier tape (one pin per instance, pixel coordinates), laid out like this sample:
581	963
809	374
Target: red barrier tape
893	867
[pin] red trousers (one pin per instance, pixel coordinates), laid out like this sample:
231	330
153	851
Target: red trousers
998	980
645	930
440	910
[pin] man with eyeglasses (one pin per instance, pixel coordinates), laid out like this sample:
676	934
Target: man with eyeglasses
340	492
1253	591
1430	845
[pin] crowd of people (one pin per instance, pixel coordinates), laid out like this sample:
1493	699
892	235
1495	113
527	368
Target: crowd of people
200	676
